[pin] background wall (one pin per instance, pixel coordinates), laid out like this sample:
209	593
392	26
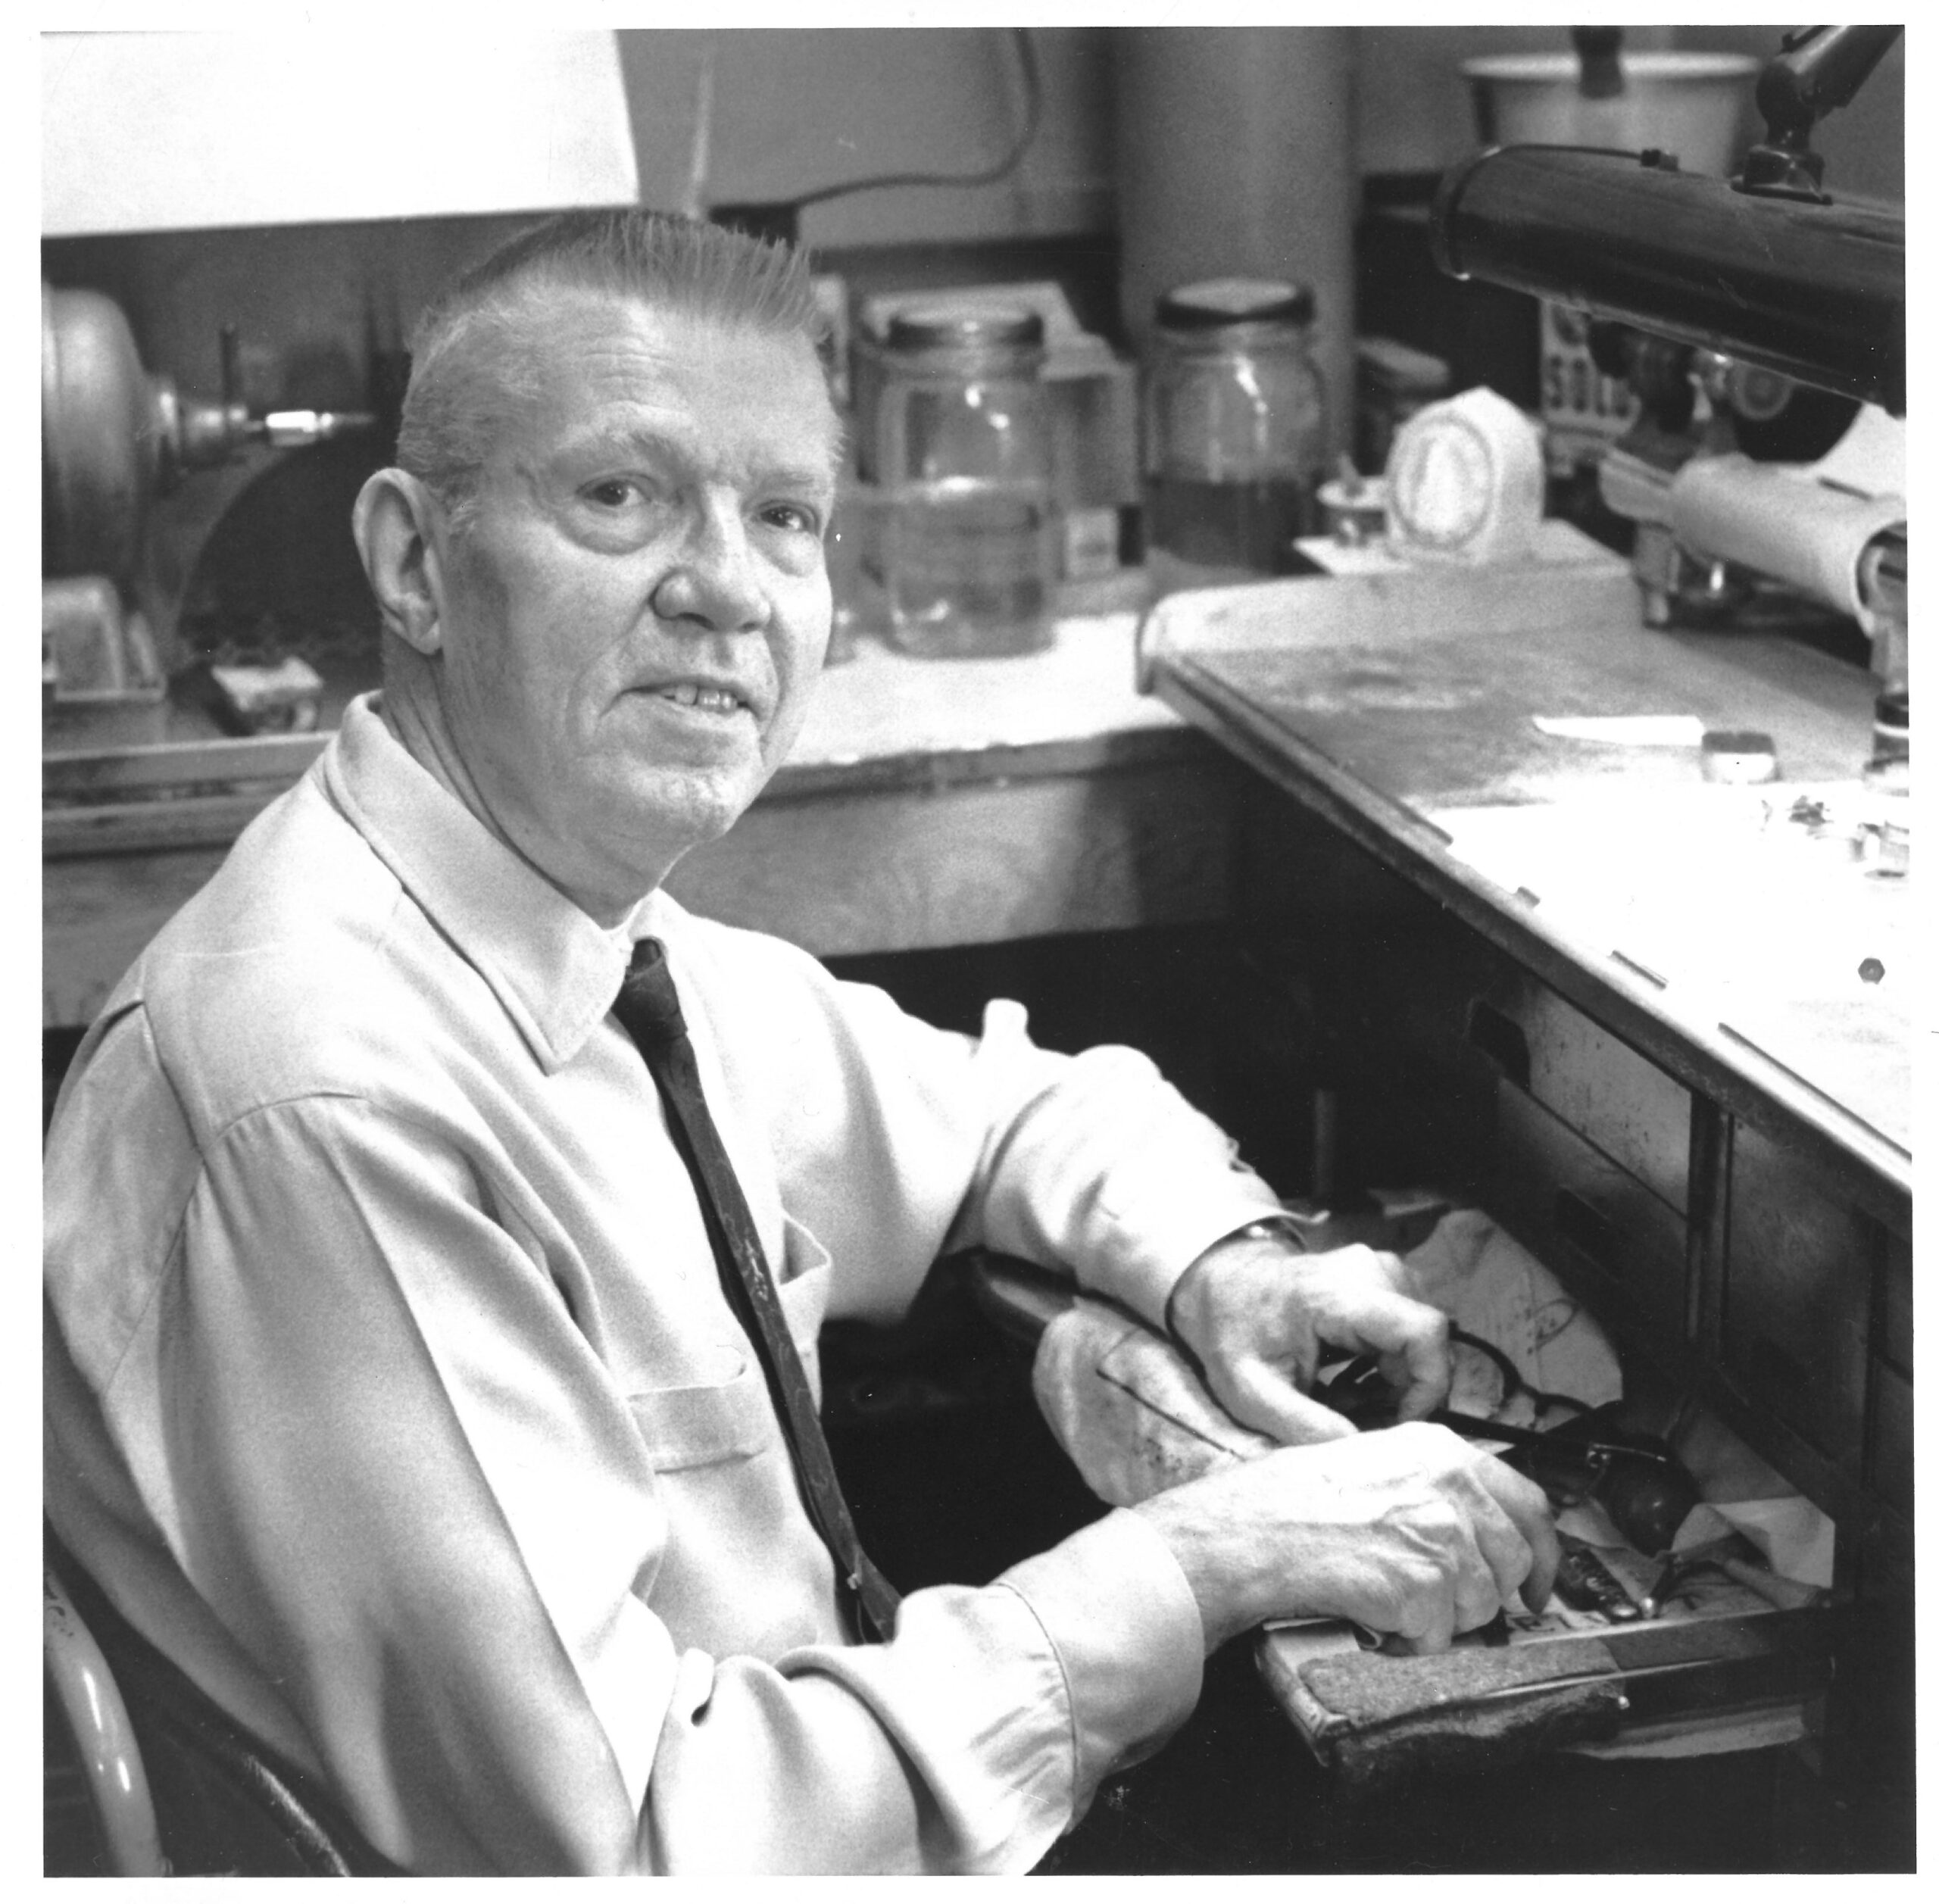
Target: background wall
1414	110
1864	144
1188	100
797	109
1414	114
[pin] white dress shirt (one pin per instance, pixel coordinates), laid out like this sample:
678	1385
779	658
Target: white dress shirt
391	1389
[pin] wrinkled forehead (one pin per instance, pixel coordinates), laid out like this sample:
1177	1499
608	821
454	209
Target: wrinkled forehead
559	356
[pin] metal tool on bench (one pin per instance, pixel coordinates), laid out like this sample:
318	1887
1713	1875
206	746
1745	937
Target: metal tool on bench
1752	317
117	445
1636	1478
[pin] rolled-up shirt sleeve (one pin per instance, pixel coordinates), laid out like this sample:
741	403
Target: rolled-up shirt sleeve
900	1141
1096	1161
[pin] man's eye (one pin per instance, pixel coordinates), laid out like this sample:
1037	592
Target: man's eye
792	516
612	492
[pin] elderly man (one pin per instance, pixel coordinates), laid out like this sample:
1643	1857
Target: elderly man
400	1383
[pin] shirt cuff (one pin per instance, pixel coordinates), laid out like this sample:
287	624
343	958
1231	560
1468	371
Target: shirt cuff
1123	1619
1162	1235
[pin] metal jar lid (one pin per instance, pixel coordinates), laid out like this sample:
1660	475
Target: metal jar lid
1216	303
946	326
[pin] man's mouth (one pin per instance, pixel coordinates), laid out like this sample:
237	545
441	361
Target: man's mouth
712	701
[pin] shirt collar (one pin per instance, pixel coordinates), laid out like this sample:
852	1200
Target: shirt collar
553	968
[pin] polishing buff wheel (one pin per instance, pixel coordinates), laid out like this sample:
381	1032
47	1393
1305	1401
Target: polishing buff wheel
1465	481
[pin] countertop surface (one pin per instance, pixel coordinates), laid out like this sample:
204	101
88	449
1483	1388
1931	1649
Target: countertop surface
879	703
1765	927
926	803
878	718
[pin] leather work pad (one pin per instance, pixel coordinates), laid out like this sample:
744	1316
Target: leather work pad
1375	1718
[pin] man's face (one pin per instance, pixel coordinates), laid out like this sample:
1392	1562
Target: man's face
634	617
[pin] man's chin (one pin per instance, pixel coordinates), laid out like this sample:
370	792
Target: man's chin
685	811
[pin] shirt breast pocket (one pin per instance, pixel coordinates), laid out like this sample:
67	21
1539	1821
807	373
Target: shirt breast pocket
732	1418
705	1422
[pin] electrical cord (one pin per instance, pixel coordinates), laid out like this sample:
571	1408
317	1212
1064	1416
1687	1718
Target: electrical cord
1033	107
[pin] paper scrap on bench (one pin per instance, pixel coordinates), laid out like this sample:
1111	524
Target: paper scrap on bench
1624	730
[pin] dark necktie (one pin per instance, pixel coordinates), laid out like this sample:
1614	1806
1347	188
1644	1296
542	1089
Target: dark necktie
649	1007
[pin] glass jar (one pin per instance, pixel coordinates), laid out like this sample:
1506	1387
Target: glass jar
1234	433
962	454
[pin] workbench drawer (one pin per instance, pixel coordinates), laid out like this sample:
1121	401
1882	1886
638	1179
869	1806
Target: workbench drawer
1891	1436
1605	1233
1800	1267
1631	1112
1895	1305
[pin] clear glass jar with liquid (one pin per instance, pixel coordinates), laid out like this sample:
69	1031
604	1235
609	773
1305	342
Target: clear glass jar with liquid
1234	433
962	455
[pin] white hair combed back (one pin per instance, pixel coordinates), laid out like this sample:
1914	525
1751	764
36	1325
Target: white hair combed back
475	352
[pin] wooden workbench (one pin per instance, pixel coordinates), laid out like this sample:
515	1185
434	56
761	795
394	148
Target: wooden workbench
926	803
1404	710
1680	1014
1695	1001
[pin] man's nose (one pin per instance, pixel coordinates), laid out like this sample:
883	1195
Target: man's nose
714	583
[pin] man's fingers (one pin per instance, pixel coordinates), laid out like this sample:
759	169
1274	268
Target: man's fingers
1486	1560
1547	1557
1467	1596
1423	1381
1257	1394
1527	1507
1411	1341
1354	1301
1432	1625
1481	1591
1508	1556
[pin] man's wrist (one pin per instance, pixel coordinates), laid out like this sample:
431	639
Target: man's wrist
1280	1230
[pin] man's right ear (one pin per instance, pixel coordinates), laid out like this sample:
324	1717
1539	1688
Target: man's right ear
393	523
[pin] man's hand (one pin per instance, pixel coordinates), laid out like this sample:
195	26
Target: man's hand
1408	1531
1254	1312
